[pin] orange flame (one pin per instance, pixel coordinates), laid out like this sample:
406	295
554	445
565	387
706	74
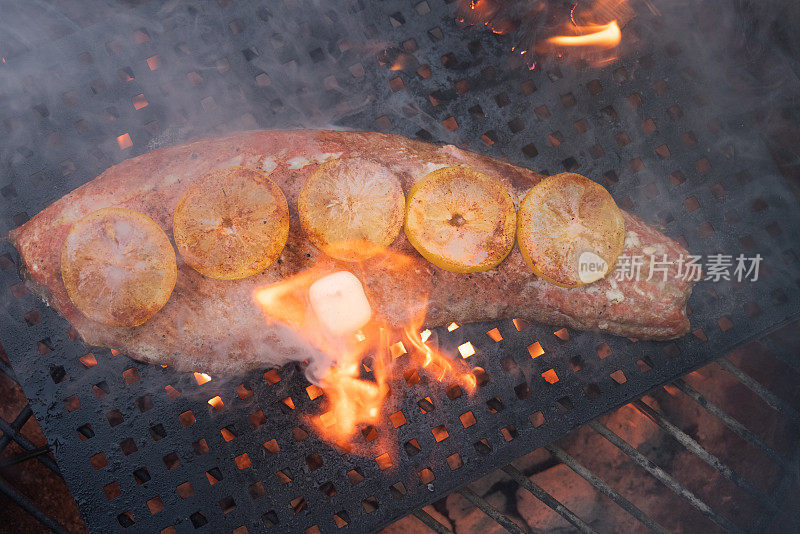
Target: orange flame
603	36
363	363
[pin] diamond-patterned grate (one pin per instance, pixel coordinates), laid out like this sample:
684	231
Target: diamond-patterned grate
140	446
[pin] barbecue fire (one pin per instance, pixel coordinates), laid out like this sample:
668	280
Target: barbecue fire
602	36
589	30
357	361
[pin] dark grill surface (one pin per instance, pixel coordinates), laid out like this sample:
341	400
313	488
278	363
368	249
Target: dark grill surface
139	445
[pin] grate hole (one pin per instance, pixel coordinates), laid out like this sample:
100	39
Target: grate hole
125	519
398	490
284	475
200	447
592	391
725	323
298	504
425	405
550	376
411	377
227	433
270	519
141	475
314	461
216	403
144	403
157	432
58	374
272	377
535	349
155	505
328	489
88	360
114	417
171	461
466	350
299	434
187	418
522	391
537	419
509	433
384	461
355	477
101	389
198	519
341	518
242	461
564	405
530	150
412	447
454	461
227	504
481	376
257	418
243	392
370	433
482	447
453	391
72	403
370	504
397	419
426	476
495	405
98	461
603	350
272	446
467	419
256	490
440	433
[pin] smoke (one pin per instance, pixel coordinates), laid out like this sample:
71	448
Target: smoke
71	74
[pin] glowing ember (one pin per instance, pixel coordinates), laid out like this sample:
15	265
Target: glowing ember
216	403
202	378
358	345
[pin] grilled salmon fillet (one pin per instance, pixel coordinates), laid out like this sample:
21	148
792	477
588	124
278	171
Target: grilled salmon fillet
215	326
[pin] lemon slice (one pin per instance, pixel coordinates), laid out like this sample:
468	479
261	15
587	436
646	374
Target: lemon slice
570	231
231	224
118	267
460	220
351	208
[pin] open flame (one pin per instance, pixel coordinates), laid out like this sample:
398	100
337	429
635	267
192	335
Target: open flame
359	367
603	36
589	30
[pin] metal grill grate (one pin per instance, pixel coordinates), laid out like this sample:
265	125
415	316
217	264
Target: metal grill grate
139	445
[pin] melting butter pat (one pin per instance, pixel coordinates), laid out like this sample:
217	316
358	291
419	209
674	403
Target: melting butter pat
339	302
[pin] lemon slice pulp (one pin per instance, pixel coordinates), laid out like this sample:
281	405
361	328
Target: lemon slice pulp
231	224
351	208
460	220
118	267
570	231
